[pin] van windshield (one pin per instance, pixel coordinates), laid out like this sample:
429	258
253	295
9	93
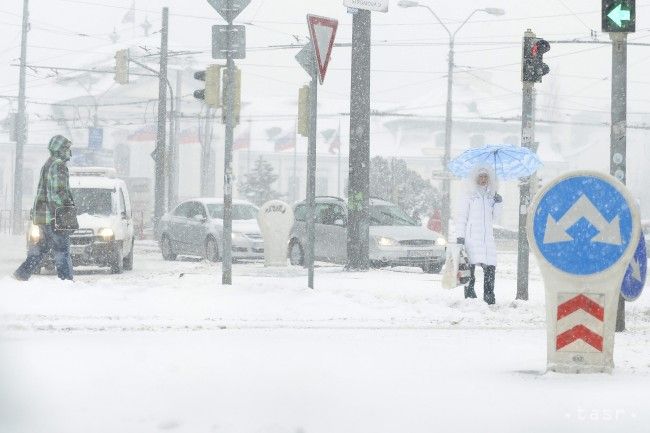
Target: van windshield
93	201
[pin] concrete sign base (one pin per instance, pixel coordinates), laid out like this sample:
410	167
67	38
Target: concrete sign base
275	219
583	228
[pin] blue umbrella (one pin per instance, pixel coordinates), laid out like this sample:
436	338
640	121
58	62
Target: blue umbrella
509	162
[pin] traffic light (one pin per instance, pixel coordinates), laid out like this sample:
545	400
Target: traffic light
211	93
303	111
533	66
236	95
122	66
619	16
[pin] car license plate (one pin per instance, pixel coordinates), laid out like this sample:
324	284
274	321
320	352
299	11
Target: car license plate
420	253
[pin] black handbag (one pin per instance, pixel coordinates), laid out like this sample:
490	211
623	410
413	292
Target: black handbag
65	218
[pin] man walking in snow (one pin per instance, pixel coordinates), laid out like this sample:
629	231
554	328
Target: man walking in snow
475	215
53	192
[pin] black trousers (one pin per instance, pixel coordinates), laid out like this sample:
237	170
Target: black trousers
489	275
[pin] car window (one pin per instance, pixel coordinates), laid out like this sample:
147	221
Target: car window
239	211
182	210
323	214
196	208
93	201
300	213
330	213
122	202
389	215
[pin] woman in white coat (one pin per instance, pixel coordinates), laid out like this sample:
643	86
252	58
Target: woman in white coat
475	216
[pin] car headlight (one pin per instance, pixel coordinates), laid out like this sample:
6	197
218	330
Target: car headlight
383	241
441	241
106	234
238	236
34	234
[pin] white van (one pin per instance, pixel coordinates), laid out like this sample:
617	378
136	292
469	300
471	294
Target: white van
106	234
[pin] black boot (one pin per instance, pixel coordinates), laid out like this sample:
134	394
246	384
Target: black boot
469	288
489	274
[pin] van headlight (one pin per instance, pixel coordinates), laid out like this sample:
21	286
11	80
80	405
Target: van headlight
441	241
383	241
106	234
34	234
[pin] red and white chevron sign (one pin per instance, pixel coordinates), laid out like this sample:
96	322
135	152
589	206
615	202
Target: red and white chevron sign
580	322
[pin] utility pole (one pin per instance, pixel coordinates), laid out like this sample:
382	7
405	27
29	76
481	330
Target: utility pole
311	178
207	155
21	128
358	234
618	139
172	191
160	151
229	90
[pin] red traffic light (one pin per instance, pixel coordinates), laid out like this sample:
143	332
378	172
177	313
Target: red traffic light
540	47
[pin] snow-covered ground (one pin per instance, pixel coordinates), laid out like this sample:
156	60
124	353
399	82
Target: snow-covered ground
168	348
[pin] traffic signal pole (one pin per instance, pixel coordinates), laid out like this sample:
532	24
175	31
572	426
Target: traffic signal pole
359	174
21	128
527	140
618	139
229	90
160	152
311	178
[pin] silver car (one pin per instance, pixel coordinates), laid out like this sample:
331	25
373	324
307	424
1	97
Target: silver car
195	228
395	238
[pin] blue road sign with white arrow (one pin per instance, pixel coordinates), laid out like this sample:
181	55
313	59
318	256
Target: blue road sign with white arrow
636	273
583	225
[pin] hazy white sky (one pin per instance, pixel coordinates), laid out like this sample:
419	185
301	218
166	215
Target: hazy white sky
74	33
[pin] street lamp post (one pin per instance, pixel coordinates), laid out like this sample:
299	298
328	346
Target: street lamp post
446	199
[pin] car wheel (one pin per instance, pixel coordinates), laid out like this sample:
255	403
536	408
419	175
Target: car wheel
376	264
296	253
117	264
166	247
211	250
432	268
128	260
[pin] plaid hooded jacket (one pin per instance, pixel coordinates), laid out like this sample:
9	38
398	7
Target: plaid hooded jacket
53	186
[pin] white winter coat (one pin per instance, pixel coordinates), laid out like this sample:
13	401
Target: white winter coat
474	219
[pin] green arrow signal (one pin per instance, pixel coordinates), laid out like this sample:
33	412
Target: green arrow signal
618	15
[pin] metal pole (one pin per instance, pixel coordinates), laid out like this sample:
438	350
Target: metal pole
21	128
527	140
311	177
446	181
172	192
226	277
359	164
160	157
618	139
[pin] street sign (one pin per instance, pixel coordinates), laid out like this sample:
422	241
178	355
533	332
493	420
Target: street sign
229	9
619	16
636	273
222	35
583	225
95	138
369	5
307	59
323	32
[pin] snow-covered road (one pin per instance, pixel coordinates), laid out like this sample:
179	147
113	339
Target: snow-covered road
167	348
